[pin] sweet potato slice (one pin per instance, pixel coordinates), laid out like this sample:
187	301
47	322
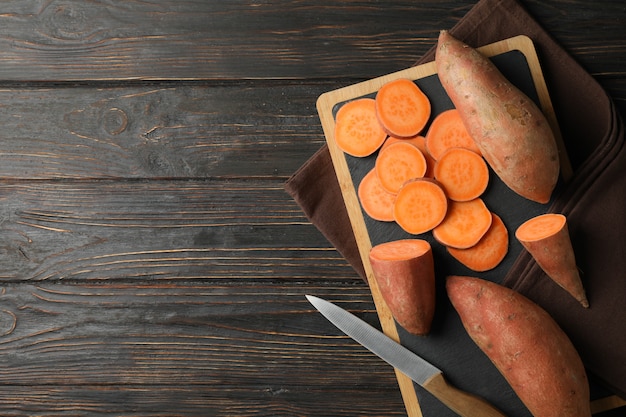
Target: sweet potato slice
402	108
448	131
357	130
466	222
546	238
375	200
420	205
525	344
420	142
489	251
511	132
398	163
463	174
405	273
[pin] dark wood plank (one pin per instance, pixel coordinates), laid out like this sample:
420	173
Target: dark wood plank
163	334
263	127
185	349
87	40
593	32
138	230
169	130
90	40
226	401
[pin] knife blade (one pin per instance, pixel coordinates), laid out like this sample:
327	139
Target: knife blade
418	369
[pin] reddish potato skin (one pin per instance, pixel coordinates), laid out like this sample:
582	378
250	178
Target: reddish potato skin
555	255
408	288
510	130
526	345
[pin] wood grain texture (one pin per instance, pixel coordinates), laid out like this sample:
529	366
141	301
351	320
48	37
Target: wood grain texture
151	263
107	230
86	40
179	349
168	130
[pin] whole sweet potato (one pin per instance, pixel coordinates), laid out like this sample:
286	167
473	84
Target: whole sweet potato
510	130
526	345
405	273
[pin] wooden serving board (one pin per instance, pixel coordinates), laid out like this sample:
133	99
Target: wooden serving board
517	59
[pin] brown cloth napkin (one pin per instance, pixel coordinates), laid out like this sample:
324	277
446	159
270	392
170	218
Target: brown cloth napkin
594	201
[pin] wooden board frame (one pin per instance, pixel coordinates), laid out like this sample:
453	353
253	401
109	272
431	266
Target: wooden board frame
325	105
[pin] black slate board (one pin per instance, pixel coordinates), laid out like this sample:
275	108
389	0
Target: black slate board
448	346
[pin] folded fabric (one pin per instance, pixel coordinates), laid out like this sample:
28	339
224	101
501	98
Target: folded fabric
594	201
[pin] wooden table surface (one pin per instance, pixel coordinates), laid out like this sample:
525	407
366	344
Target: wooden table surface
151	263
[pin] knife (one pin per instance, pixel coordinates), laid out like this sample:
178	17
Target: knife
419	370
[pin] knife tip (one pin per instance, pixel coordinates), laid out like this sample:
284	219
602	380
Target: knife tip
313	300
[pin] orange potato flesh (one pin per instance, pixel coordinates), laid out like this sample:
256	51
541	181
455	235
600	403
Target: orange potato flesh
489	251
398	163
463	174
402	108
357	131
420	205
464	225
375	200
